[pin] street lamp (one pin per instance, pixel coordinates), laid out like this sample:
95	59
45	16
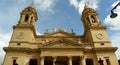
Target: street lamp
113	15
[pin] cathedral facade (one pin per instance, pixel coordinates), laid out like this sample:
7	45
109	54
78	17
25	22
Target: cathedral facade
59	47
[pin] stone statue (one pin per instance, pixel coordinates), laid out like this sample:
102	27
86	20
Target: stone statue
100	62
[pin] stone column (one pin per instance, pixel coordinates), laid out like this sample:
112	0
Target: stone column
54	60
96	18
41	60
22	18
82	60
69	60
29	18
89	16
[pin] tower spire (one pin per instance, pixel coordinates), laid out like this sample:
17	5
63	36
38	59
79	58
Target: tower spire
32	5
86	6
28	16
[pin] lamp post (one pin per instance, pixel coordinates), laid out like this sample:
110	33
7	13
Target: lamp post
113	15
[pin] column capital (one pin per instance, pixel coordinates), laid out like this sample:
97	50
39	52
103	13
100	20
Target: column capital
69	56
82	60
54	56
42	56
82	57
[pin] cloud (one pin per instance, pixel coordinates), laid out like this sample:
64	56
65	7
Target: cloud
4	41
38	33
79	5
115	39
45	5
114	23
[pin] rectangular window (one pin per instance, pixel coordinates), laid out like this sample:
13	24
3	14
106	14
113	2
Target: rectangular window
14	62
89	62
108	61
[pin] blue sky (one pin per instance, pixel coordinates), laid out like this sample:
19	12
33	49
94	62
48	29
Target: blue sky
55	13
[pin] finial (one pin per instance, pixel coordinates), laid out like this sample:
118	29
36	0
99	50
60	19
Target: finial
72	31
59	28
84	2
46	30
64	30
86	6
32	4
54	29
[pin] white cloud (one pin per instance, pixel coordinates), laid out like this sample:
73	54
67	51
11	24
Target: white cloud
45	5
79	5
4	41
114	23
115	39
21	1
38	33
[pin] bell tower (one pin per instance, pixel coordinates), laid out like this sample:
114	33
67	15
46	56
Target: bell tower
28	16
94	31
96	35
26	25
90	18
22	38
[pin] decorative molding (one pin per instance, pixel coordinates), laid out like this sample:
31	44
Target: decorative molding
110	49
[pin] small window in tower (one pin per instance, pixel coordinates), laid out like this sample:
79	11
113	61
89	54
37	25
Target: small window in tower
14	62
102	43
26	18
18	44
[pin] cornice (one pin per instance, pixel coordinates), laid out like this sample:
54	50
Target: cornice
19	42
26	26
97	27
20	49
43	36
65	47
113	49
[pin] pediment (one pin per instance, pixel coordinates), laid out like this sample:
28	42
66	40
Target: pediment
61	43
61	33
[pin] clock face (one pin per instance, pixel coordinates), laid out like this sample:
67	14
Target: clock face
20	35
99	35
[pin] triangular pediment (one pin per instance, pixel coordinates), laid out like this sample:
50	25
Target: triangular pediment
61	43
61	33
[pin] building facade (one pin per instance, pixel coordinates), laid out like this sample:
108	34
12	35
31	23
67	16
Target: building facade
59	47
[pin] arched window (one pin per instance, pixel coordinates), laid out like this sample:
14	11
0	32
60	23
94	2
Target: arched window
92	19
88	19
26	18
31	19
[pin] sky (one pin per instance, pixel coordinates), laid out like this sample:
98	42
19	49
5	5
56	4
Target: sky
65	14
